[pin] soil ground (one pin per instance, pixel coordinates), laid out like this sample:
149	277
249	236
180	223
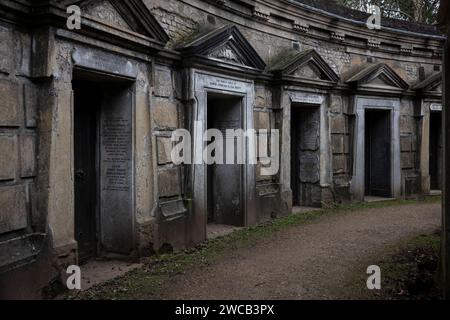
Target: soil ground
315	255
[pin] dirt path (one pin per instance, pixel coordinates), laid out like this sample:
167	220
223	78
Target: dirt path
313	261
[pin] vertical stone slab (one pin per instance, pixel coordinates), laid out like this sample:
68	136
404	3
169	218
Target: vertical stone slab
116	172
13	214
169	182
163	83
164	150
6	56
10	104
30	102
144	159
61	217
28	156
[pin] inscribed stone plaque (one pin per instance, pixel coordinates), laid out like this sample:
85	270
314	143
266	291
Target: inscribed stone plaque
116	172
225	84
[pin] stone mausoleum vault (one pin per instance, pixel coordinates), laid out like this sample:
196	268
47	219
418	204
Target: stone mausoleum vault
87	118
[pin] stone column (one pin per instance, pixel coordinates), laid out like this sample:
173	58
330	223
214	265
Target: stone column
425	151
445	241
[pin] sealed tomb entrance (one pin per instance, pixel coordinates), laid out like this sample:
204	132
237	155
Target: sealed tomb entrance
378	153
305	155
225	201
436	151
103	167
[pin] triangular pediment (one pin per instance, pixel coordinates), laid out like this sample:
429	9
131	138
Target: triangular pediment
132	15
307	65
225	45
379	75
431	84
105	12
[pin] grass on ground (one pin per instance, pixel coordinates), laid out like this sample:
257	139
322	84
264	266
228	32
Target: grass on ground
413	272
145	282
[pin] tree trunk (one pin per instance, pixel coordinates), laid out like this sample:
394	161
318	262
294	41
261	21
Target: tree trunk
418	6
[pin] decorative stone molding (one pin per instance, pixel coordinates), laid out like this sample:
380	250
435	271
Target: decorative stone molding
260	14
338	36
301	27
406	49
227	53
373	43
290	66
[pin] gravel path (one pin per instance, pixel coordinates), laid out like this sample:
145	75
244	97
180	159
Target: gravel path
320	260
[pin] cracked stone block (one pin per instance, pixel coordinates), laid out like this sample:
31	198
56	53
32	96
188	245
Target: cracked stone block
337	142
310	132
347	144
337	124
263	97
407	159
336	104
6	48
406	144
8	157
262	120
165	114
163	83
169	182
28	156
13	215
164	146
339	164
30	101
406	124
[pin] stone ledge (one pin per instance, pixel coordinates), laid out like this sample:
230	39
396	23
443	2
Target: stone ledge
18	252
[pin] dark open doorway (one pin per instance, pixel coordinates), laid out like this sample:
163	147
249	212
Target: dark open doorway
87	102
305	156
103	166
436	153
225	181
378	153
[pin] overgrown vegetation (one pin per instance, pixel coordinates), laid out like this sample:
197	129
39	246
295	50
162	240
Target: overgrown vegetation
413	273
145	282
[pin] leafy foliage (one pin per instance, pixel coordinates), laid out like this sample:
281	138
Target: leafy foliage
423	11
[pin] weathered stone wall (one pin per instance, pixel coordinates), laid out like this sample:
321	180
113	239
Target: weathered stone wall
36	115
267	187
167	111
17	133
166	116
20	221
341	123
344	57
